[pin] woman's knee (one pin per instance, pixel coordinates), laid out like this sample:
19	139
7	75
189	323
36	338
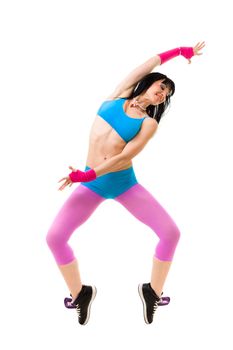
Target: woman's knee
172	234
175	233
59	247
55	238
169	239
169	235
51	239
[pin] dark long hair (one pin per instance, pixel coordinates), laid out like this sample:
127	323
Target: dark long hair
157	111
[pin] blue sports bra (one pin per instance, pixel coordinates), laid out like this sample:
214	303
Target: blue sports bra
112	112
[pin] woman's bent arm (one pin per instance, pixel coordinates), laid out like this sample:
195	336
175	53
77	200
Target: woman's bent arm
115	163
131	149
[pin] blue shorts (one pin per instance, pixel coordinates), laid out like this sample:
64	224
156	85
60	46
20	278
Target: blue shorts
112	184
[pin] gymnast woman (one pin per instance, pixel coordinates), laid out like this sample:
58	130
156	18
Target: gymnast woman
125	122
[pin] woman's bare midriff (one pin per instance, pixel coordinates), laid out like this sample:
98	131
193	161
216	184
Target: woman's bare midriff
104	143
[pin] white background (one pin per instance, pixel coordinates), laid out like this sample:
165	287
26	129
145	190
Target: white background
59	60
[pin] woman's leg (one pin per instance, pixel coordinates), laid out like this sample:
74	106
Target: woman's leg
139	202
74	212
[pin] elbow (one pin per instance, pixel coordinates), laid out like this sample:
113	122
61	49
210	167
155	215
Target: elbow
124	158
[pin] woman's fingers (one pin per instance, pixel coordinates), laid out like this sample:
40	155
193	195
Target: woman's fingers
64	178
199	46
67	180
70	167
202	44
63	186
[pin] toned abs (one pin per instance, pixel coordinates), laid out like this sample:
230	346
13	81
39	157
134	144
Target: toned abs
104	143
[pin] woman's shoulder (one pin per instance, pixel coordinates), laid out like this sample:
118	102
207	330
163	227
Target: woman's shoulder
151	121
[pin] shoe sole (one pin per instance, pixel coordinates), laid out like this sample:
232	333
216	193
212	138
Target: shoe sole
143	302
94	291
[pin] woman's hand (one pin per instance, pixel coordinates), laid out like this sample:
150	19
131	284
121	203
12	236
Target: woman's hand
67	180
197	48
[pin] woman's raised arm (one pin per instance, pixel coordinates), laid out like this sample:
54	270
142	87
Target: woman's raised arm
125	88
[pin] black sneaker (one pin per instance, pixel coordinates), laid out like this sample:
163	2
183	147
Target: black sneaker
150	301
82	303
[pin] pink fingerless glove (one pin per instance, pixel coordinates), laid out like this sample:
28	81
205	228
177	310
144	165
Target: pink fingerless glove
187	52
82	176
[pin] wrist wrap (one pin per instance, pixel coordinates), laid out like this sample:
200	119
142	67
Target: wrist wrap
82	176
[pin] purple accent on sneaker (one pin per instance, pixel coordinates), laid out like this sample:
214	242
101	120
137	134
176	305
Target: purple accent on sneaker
68	303
164	301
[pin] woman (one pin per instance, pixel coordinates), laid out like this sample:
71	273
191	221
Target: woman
125	122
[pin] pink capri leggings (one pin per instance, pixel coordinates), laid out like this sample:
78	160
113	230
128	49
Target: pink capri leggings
137	200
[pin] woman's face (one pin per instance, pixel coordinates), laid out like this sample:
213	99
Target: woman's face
157	92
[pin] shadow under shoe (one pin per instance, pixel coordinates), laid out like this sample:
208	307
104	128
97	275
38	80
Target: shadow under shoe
82	303
150	301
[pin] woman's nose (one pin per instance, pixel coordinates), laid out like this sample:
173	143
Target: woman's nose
161	95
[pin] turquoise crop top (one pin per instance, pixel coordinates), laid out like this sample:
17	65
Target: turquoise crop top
112	112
